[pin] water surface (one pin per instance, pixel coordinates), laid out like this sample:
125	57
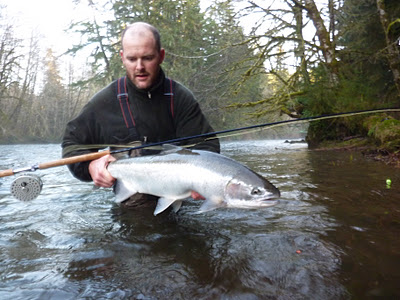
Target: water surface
333	234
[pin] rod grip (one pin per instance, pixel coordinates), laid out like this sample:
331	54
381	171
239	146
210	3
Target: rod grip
5	173
73	159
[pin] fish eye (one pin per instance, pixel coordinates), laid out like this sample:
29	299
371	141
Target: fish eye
256	191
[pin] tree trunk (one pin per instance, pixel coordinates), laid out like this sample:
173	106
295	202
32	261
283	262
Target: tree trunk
301	51
392	49
326	45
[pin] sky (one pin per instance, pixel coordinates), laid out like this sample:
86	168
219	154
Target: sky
50	18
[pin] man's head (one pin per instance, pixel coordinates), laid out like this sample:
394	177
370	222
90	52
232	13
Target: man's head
142	54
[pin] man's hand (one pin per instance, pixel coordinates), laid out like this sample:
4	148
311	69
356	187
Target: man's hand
98	170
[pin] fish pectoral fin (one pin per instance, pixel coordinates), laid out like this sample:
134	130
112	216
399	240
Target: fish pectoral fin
211	204
164	203
122	191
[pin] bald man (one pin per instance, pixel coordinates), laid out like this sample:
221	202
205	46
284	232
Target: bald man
143	106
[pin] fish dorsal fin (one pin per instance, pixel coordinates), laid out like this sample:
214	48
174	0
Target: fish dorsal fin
169	148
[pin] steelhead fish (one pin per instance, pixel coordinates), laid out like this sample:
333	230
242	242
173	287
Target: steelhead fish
174	173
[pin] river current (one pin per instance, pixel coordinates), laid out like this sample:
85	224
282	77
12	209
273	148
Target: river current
334	234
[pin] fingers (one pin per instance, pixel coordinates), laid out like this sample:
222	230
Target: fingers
98	170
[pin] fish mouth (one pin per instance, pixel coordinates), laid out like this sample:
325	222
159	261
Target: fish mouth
271	200
265	201
255	203
268	202
270	196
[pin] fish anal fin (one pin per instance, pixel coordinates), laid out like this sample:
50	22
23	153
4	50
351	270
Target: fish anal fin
163	204
177	205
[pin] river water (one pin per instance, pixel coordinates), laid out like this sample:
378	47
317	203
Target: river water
333	235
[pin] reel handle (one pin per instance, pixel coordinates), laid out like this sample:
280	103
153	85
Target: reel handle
73	160
57	163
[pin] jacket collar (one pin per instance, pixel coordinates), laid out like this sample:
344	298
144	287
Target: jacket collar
158	84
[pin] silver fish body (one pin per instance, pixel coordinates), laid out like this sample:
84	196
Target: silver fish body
173	174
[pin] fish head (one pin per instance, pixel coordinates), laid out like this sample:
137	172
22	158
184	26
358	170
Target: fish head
251	193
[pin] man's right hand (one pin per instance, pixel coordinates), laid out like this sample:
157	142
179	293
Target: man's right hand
98	170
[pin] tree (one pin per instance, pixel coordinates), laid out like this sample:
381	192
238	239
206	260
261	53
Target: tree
365	57
25	92
51	102
391	29
276	38
9	55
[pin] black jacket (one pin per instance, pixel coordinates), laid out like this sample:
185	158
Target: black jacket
101	121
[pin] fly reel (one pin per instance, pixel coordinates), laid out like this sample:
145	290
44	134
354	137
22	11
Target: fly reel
26	187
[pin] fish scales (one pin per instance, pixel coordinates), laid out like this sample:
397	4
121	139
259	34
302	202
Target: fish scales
173	174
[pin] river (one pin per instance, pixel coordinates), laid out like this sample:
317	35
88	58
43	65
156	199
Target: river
333	235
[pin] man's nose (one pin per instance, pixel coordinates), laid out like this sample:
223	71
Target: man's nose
139	64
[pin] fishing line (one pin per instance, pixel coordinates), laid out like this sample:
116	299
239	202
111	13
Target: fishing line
252	128
260	127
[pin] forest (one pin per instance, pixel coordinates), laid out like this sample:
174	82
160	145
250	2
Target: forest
292	59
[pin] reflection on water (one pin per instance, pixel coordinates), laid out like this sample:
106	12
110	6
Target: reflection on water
333	235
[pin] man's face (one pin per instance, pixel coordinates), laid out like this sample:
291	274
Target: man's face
141	59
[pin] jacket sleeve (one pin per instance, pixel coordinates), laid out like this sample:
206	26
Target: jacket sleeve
190	121
77	135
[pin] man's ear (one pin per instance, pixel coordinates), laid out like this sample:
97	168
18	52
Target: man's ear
162	55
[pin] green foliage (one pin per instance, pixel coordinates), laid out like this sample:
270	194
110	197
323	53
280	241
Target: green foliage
384	131
365	80
363	56
210	54
383	128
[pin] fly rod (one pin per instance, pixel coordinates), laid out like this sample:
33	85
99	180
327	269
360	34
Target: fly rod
211	135
27	187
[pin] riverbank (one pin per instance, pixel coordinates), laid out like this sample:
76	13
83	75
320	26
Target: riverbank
378	139
364	145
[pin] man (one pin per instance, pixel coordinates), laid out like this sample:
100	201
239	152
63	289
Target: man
156	109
